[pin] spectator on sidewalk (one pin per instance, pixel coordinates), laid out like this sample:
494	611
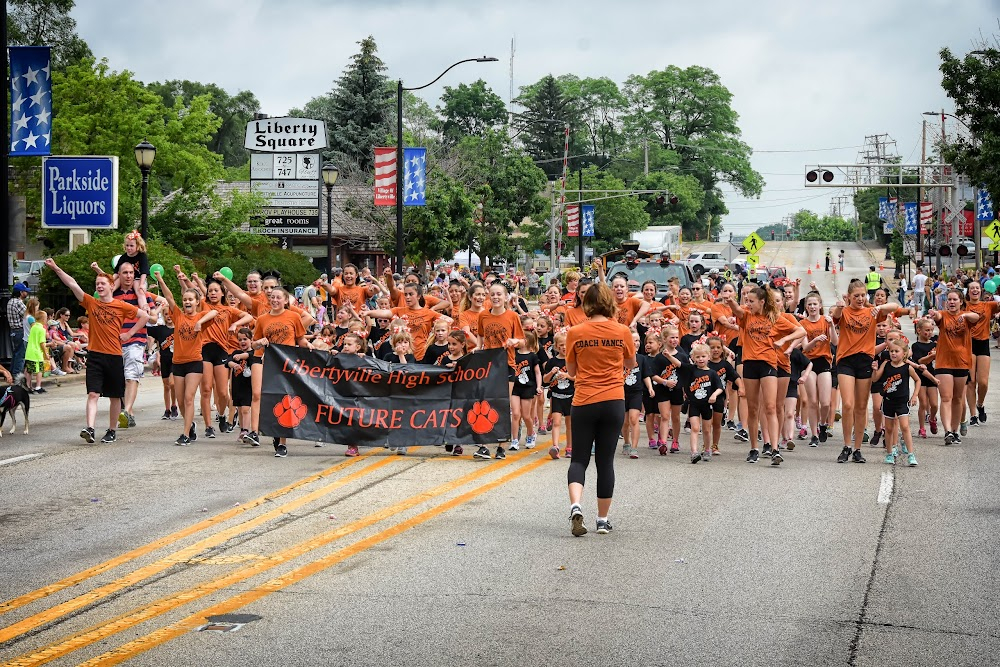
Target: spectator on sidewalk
16	311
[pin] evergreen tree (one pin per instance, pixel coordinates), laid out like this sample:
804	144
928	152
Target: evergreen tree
361	107
547	109
37	22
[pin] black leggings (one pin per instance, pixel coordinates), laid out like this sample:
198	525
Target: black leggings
597	425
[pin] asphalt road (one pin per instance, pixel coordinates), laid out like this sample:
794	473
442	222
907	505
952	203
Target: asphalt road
121	553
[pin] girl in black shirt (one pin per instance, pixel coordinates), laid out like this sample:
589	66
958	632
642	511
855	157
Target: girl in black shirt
924	351
702	387
560	385
727	373
894	376
669	393
634	390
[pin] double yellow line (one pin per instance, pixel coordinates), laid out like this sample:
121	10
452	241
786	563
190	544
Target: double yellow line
174	601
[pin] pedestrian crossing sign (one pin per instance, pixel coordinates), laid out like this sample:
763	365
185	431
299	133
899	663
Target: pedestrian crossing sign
753	259
753	243
992	230
995	246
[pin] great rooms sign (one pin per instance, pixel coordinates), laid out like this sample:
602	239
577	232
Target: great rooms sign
285	135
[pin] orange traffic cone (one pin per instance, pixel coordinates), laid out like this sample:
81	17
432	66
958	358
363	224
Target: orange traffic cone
881	266
834	270
817	265
809	271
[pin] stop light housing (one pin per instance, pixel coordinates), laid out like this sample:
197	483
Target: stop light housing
962	250
944	251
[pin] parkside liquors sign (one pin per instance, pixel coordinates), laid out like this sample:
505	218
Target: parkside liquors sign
285	170
80	192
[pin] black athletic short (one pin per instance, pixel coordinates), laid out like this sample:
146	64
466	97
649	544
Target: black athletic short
650	405
893	409
187	368
673	396
701	410
981	348
782	373
858	366
563	406
212	353
633	400
105	374
820	365
956	372
755	369
166	363
525	392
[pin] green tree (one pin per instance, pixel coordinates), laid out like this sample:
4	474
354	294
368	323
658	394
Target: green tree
443	225
809	226
601	105
233	111
470	110
547	110
687	190
360	109
47	22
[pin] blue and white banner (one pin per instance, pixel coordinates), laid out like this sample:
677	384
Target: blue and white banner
30	101
883	208
587	215
984	205
415	176
912	210
80	192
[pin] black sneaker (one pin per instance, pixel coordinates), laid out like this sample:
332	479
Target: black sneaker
182	441
730	426
41	390
604	527
695	458
814	442
767	451
973	421
576	522
131	420
481	453
88	435
753	456
193	433
280	451
109	437
166	415
857	457
501	454
822	432
845	454
957	438
776	459
742	435
174	413
949	438
223	424
981	410
252	439
209	432
875	438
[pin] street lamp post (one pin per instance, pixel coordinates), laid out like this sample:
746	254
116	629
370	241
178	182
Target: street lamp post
145	153
399	151
330	174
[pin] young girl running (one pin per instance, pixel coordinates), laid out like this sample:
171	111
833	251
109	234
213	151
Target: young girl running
724	324
527	387
856	319
650	405
500	327
458	347
727	373
953	359
353	344
924	352
214	353
544	331
634	390
881	354
437	344
241	363
670	393
979	369
894	375
702	387
560	382
821	335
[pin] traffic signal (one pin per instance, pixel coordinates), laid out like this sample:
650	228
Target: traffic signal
962	250
816	175
944	251
662	199
772	234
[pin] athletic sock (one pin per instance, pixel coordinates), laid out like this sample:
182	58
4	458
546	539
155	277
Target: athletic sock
602	518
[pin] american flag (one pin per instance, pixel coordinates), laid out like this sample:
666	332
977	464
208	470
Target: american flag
30	101
573	220
984	205
385	176
415	176
926	216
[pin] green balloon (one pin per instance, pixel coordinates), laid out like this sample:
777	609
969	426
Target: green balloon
995	282
96	295
227	272
154	269
990	287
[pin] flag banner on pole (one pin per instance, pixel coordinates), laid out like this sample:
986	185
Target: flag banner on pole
883	208
926	216
30	101
385	176
891	212
912	217
573	220
359	400
587	214
984	205
414	176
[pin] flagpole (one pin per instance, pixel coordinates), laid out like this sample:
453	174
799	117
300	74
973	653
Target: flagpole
6	349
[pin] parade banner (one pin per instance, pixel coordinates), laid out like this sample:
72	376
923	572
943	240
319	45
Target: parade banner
355	400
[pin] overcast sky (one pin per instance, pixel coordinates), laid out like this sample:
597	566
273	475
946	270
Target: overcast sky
805	76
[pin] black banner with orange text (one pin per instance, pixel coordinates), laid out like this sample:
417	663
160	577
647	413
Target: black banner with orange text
355	400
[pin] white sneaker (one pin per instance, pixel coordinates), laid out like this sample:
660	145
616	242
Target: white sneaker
58	371
514	445
529	442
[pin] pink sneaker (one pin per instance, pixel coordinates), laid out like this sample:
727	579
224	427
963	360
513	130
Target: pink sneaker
922	432
652	444
352	450
674	447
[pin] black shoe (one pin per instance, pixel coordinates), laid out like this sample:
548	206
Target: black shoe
182	441
973	421
193	433
845	454
875	438
88	435
223	424
166	415
252	439
576	522
742	435
695	458
949	438
603	527
40	390
730	426
753	456
109	437
210	432
957	438
280	451
174	413
776	459
814	442
857	457
981	410
767	450
822	432
482	453
501	454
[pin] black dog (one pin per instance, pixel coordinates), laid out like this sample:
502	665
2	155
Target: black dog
13	396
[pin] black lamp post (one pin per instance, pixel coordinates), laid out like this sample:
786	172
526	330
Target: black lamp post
399	151
330	174
145	153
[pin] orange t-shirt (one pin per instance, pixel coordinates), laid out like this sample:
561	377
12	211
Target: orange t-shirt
784	361
260	304
626	311
599	350
986	310
814	330
357	295
574	316
217	329
722	311
106	321
857	331
187	341
429	301
954	347
469	318
758	333
495	330
420	321
282	329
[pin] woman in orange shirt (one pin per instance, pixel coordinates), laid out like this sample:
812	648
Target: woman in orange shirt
472	306
215	353
856	319
979	369
820	336
762	330
724	324
574	314
420	320
628	309
954	357
598	352
350	290
189	337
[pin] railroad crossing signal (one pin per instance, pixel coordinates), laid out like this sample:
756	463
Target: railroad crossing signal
753	243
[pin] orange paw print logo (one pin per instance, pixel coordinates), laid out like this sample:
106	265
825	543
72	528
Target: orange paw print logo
290	411
482	417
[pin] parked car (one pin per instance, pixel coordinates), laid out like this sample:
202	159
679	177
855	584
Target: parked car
641	270
28	271
702	262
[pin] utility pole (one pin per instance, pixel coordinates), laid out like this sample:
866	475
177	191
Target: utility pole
579	224
923	175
